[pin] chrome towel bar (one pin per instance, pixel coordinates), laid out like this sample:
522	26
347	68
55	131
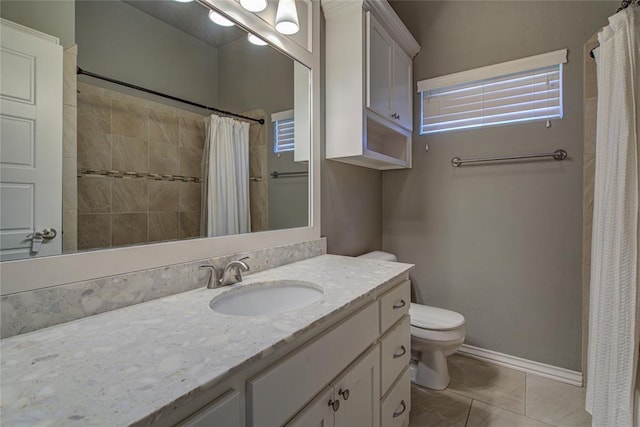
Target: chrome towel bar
456	162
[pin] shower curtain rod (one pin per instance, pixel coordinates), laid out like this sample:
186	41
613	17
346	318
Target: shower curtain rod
80	71
625	4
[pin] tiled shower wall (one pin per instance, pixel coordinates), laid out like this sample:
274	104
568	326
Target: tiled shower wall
124	133
590	91
69	151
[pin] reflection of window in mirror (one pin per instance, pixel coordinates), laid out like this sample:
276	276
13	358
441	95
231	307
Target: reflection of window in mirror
283	131
135	172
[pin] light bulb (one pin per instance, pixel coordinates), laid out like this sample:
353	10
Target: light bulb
253	39
254	5
287	17
219	19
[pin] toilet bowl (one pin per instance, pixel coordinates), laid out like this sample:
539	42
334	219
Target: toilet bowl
435	334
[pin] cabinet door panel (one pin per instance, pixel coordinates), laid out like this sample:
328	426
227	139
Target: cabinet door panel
379	50
318	413
224	411
359	393
402	96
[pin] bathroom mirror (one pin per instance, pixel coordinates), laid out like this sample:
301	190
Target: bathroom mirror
139	174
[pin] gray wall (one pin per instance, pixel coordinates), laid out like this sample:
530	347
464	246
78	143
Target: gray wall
500	244
260	77
56	18
119	41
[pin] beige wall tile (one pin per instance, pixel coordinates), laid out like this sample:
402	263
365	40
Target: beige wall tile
485	415
70	78
556	403
70	231
498	386
189	224
190	196
94	231
129	154
163	226
163	126
163	158
129	195
94	151
163	196
94	194
94	111
191	133
70	131
129	228
190	162
69	184
129	119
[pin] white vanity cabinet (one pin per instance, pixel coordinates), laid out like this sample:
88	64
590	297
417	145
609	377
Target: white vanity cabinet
369	116
224	411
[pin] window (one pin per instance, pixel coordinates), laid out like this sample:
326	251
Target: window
516	91
283	131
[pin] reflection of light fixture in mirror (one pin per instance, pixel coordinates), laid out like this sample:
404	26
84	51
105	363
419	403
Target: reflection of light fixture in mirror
219	19
253	39
287	17
254	5
184	1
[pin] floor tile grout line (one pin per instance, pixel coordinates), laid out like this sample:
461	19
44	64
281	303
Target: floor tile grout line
466	422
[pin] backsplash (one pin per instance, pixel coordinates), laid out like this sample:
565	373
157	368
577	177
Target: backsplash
29	311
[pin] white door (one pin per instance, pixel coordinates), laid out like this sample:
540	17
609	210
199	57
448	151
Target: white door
30	141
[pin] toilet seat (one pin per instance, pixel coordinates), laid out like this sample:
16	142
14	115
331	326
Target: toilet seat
434	318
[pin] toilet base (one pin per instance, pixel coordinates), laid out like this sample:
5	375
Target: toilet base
430	370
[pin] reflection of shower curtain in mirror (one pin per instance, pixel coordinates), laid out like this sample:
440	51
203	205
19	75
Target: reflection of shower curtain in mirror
225	171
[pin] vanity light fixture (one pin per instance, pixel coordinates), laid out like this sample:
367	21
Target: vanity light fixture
219	19
254	5
287	17
253	39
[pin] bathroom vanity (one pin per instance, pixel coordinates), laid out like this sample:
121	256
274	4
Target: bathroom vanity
341	360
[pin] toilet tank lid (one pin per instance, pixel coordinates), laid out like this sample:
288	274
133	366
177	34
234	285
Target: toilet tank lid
380	256
434	318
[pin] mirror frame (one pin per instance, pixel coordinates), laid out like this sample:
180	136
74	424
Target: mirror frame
37	273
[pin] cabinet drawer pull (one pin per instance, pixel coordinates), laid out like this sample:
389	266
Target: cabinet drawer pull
344	394
335	405
401	411
400	304
403	351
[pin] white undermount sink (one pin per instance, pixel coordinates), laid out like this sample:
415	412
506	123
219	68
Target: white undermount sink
270	297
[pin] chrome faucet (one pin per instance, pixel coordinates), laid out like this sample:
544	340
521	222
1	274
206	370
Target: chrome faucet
218	276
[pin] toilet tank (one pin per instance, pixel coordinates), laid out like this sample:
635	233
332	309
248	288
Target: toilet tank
380	256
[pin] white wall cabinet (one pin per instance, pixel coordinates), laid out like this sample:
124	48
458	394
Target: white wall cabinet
368	84
389	73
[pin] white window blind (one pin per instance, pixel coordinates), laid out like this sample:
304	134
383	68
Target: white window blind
500	94
283	128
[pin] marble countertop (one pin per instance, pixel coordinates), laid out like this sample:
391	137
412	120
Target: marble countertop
127	365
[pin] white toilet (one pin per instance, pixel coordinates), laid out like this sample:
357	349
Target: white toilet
435	334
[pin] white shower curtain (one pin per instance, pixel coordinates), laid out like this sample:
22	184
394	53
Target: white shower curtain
225	170
614	309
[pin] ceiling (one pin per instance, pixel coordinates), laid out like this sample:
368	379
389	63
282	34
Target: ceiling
192	18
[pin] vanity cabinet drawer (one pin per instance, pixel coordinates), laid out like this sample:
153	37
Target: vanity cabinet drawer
394	409
395	353
281	391
224	411
394	304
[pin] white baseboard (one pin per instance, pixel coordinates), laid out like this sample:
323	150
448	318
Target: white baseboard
536	368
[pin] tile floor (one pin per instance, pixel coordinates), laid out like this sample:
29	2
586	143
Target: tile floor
482	394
